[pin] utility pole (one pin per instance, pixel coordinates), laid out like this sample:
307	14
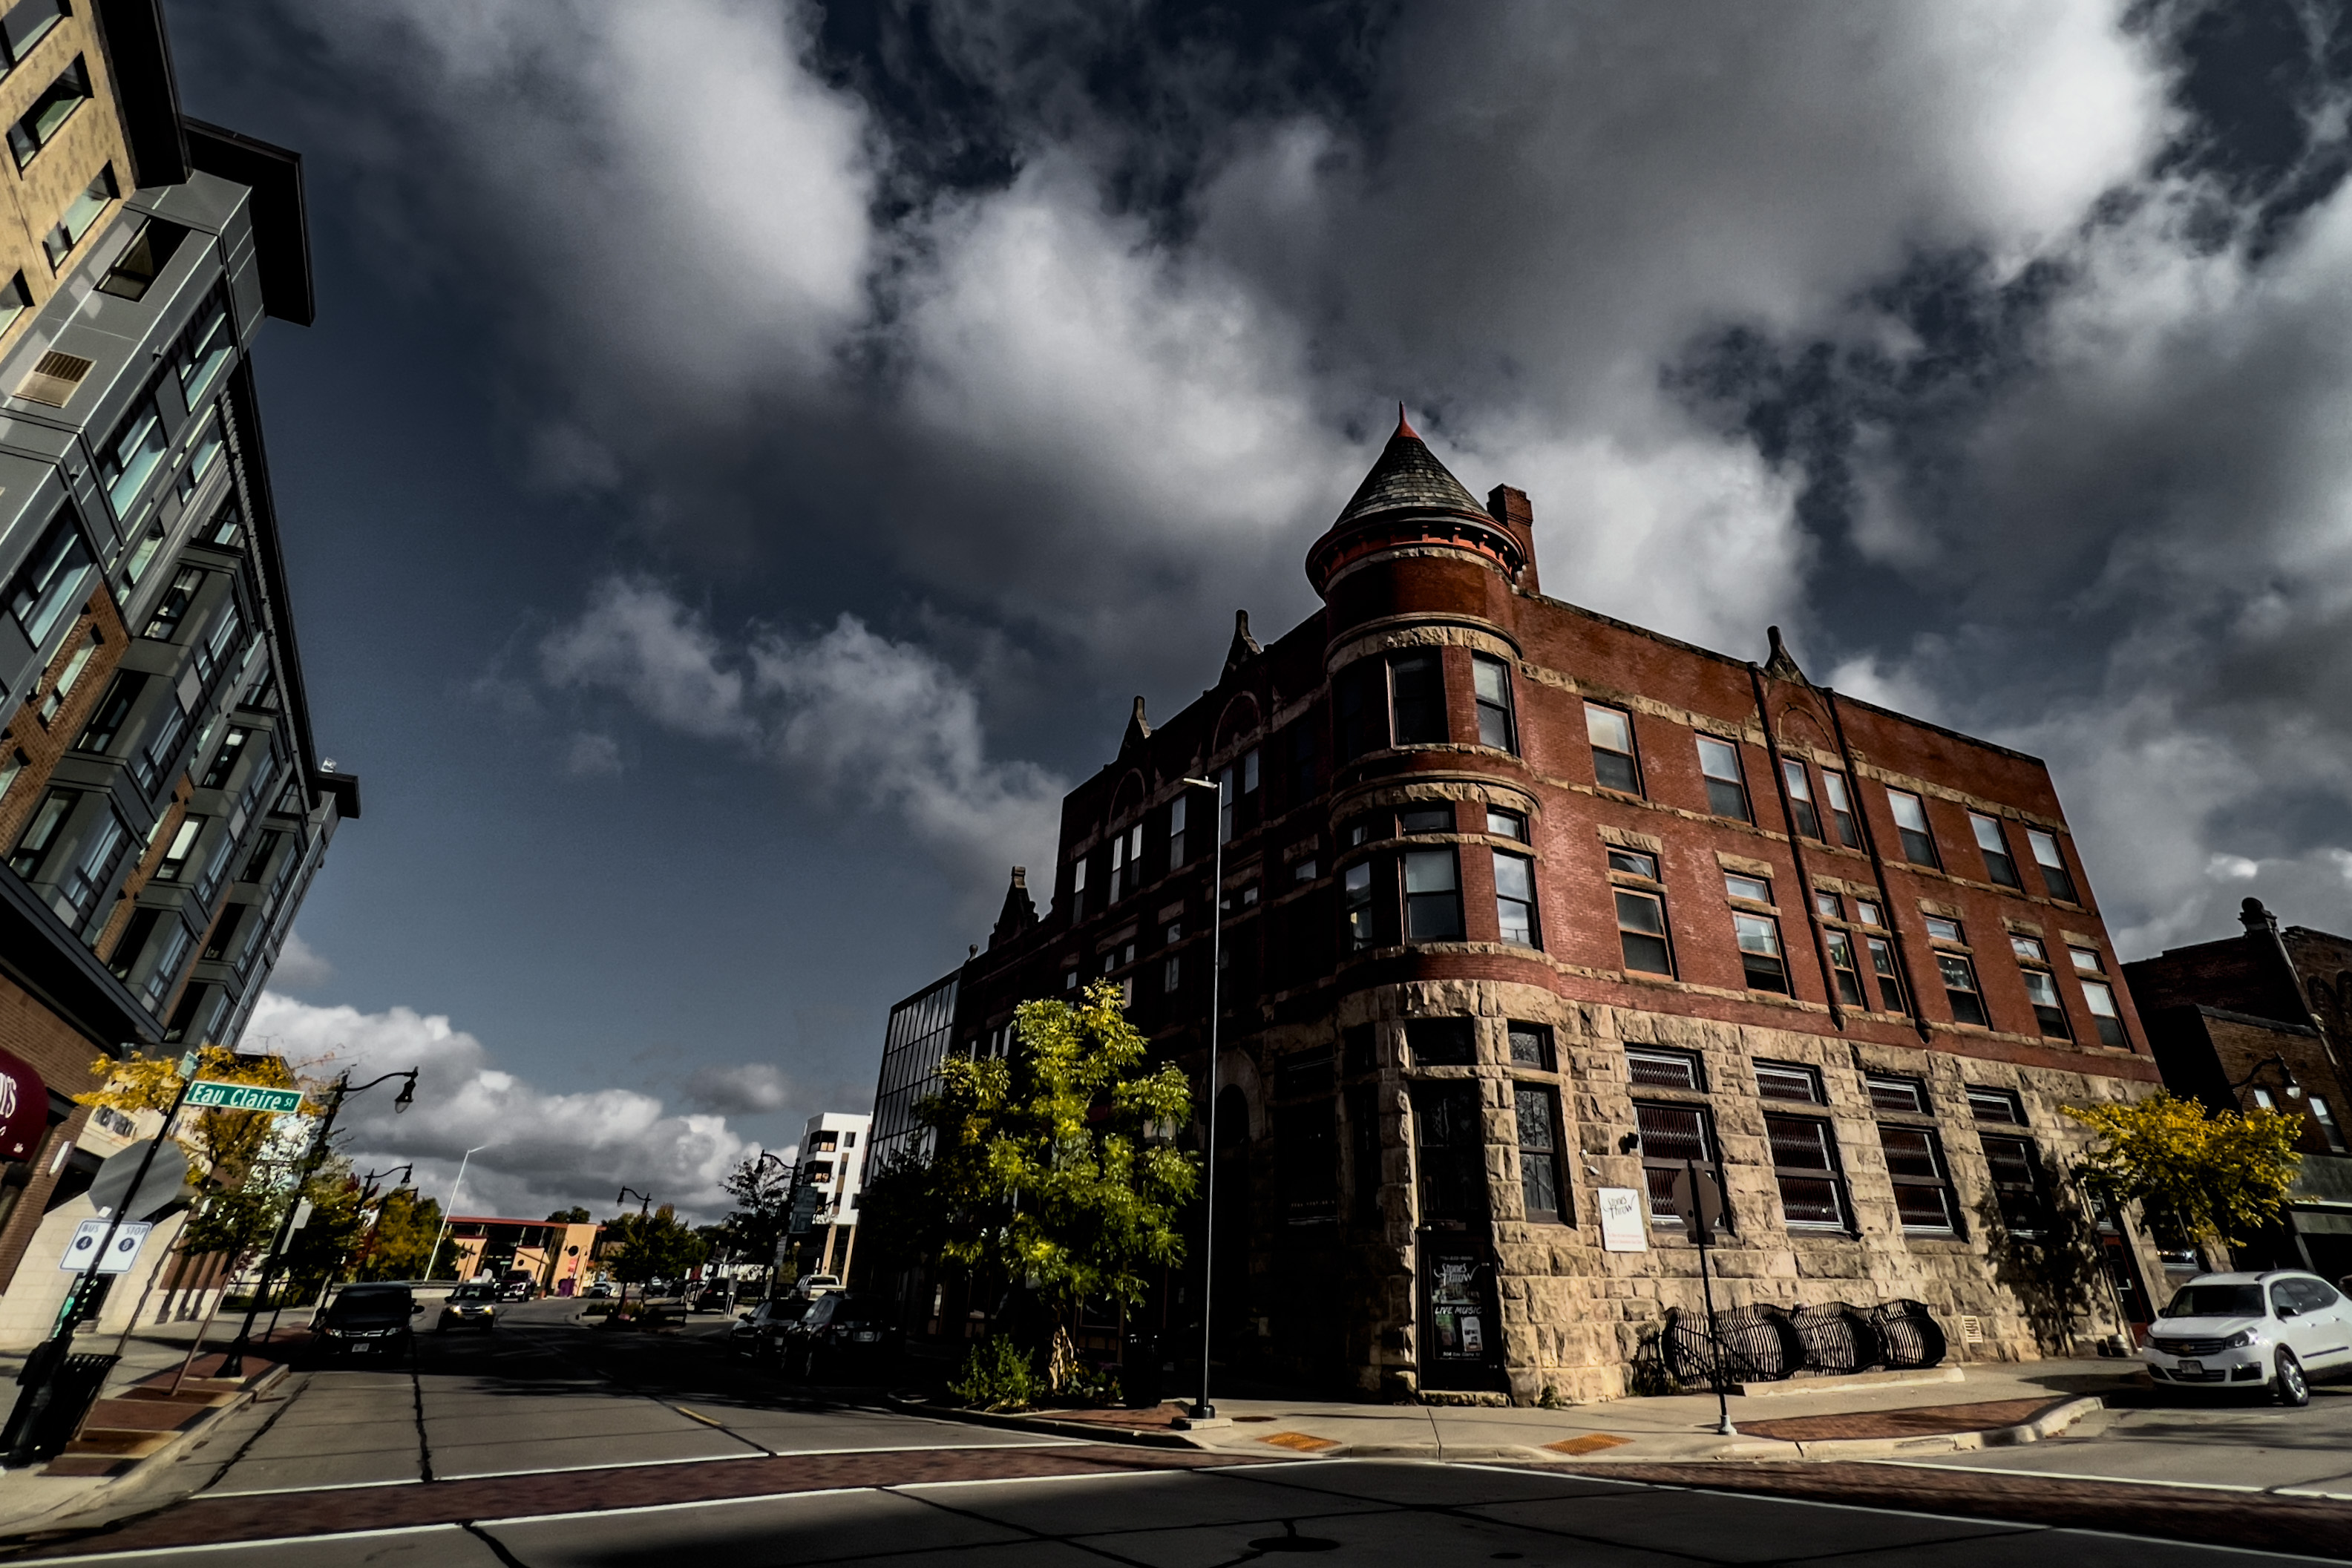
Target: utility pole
1201	1409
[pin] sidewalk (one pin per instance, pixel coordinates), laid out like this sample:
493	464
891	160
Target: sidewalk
1946	1408
131	1424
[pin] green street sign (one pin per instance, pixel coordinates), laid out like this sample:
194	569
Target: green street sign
208	1092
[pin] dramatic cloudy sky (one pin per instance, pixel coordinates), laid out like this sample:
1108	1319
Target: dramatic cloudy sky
750	453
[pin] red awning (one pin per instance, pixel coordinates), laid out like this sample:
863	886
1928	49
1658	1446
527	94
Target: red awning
23	1107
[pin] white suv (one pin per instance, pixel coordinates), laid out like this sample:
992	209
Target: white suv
2275	1331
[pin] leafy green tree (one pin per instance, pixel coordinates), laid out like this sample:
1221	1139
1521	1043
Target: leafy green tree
406	1227
657	1246
2197	1176
576	1215
326	1241
1056	1165
762	1191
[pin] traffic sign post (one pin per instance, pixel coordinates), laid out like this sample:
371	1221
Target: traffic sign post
83	1251
1700	1201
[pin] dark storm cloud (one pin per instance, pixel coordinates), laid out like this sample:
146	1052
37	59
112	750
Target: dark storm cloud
921	381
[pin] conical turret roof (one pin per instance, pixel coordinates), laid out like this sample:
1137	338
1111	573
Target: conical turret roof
1408	478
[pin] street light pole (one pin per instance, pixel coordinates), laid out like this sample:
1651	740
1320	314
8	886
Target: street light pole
1201	1409
455	1188
645	1205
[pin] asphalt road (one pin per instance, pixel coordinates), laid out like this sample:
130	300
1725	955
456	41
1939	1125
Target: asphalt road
2222	1441
544	1445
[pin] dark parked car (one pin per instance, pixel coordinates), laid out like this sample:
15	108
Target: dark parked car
518	1289
368	1320
755	1333
843	1339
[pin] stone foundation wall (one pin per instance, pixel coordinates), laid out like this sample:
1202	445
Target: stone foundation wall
1577	1320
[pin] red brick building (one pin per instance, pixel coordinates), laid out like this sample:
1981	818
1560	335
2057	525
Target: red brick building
1525	908
2260	1020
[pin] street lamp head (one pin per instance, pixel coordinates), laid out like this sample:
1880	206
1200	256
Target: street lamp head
1198	783
407	1096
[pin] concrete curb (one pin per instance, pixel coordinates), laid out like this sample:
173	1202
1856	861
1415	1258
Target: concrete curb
1128	1436
2049	1424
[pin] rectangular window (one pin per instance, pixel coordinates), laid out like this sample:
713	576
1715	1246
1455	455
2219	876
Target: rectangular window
1891	994
134	273
2001	1107
1664	1069
1759	952
1498	726
1790	1081
1432	896
41	124
2100	998
2054	875
1634	863
1726	786
1306	1148
1363	714
69	678
1867	913
1364	1148
1531	1046
1417	686
107	720
1356	898
1302	764
1176	815
1615	764
1944	929
224	761
94	871
27	24
1171	974
1800	798
2086	960
1923	1182
2041	990
1360	831
1426	820
172	608
15	301
80	215
1805	1164
1078	888
1672	1136
1303	870
1840	808
1502	824
1959	973
176	855
13	763
1451	1141
134	942
2324	1114
1540	1187
40	834
129	459
1998	864
224	930
2029	950
205	349
1443	1042
1755	889
1358	1049
2016	1184
257	863
1902	1096
1120	883
167	972
1515	899
1843	970
209	444
1641	932
49	582
1911	827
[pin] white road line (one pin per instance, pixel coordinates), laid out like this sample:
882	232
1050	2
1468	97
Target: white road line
176	1551
324	1486
1025	1480
670	1507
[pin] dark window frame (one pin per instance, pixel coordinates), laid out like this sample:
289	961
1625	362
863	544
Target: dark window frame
1800	786
1918	844
1431	913
1658	1170
1761	970
1425	705
1543	1171
1727	795
1498	722
1828	1177
2000	866
1940	1181
1838	794
1613	768
1531	928
1628	934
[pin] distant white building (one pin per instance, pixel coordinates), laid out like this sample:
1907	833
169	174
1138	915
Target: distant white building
834	1148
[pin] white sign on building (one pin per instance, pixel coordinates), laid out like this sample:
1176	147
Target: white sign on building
1621	1220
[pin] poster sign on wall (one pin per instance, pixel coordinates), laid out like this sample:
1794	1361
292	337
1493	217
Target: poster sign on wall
1621	1220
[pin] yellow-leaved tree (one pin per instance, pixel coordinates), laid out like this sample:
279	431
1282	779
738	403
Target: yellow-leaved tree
2197	1175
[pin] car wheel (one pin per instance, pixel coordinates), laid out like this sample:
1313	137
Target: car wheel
2292	1388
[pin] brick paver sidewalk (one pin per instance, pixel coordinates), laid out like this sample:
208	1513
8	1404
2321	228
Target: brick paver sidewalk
1921	1421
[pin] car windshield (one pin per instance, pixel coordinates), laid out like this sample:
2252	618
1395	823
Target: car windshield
2217	1301
353	1304
471	1294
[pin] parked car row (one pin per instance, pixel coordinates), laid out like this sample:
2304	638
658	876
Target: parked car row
836	1337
